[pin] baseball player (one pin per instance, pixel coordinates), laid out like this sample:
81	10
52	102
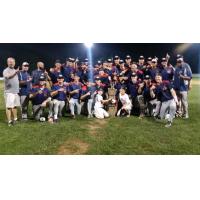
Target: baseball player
88	96
167	95
25	89
59	96
125	110
99	110
40	96
75	93
182	78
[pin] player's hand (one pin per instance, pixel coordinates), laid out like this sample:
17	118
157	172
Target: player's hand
190	87
17	70
30	79
61	90
40	91
153	87
88	93
181	76
76	91
51	70
141	85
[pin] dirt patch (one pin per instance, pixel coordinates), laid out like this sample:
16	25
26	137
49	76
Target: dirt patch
95	125
73	147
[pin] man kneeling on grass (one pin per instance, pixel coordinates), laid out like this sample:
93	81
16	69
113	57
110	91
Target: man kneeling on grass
99	110
59	95
41	98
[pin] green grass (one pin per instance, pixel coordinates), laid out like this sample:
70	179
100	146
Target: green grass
116	136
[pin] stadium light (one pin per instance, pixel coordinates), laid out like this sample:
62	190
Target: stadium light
88	45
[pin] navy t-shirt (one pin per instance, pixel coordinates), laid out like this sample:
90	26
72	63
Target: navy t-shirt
163	91
133	89
75	86
40	98
25	89
61	95
179	83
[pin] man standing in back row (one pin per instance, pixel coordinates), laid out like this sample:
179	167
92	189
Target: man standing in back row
11	90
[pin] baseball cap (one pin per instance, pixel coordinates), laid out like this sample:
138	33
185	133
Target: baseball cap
97	78
116	57
141	57
179	58
163	60
121	62
149	59
99	62
42	78
57	61
69	59
147	77
109	60
73	59
128	57
25	64
133	74
60	76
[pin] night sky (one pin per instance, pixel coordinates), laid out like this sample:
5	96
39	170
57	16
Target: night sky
52	51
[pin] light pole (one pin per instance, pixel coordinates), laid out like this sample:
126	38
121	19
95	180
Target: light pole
89	55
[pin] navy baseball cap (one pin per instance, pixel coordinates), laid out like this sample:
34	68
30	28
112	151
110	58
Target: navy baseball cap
99	62
141	57
25	64
121	62
60	76
57	61
109	60
42	78
163	60
133	74
149	59
179	57
147	77
128	57
73	59
116	57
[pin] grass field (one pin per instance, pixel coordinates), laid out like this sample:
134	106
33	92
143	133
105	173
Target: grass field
110	136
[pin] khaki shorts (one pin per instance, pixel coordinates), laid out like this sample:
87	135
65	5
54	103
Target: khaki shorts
11	100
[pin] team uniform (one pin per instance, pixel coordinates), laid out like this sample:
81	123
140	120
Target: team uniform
42	95
89	99
25	89
181	86
75	98
99	110
126	105
58	101
168	106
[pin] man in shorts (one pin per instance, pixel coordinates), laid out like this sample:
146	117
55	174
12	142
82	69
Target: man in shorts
11	90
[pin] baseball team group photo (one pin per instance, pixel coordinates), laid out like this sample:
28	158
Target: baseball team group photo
99	98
